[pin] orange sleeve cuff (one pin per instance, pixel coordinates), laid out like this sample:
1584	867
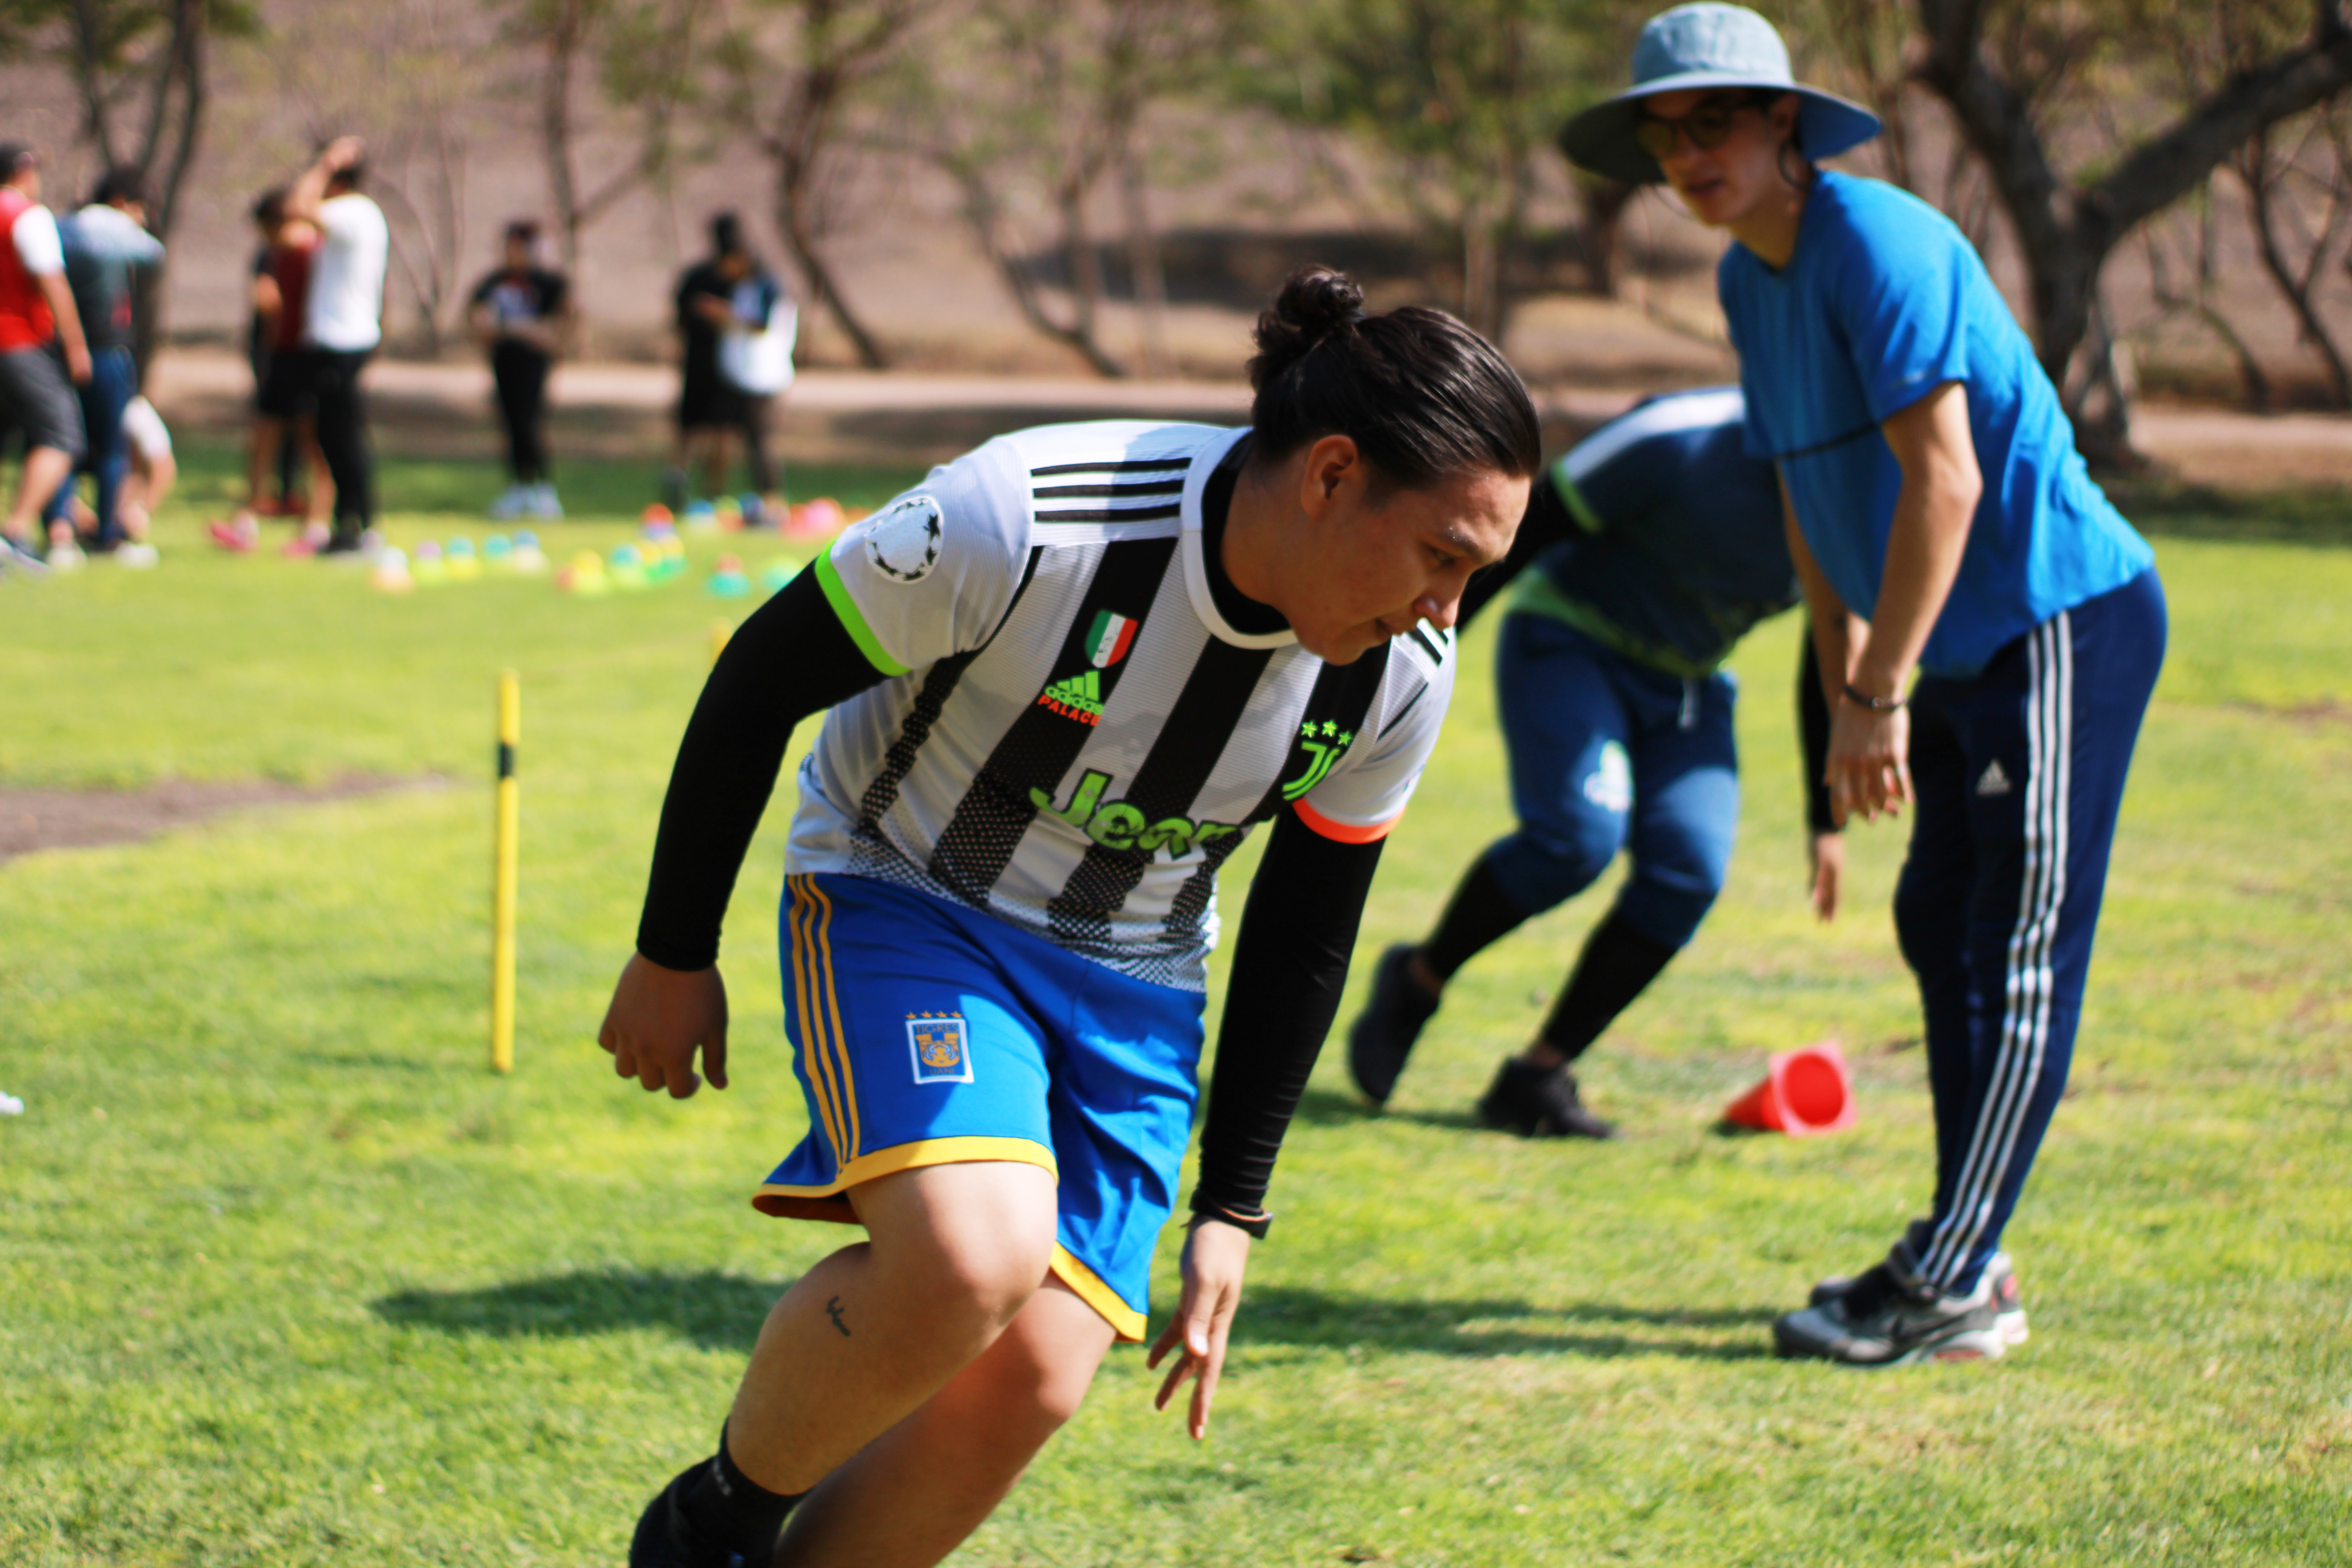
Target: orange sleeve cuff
1344	832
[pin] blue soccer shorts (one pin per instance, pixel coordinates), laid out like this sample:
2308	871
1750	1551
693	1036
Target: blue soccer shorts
928	1033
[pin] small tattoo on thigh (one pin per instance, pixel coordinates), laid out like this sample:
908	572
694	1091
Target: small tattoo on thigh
832	1310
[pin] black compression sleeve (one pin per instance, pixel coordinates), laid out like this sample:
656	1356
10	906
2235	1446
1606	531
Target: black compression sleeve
1547	523
790	660
1289	966
1813	725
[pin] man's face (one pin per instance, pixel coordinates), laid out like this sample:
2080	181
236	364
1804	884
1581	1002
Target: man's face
1378	559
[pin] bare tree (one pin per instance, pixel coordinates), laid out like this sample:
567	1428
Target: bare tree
1033	108
2282	227
1456	99
2068	227
795	70
2189	287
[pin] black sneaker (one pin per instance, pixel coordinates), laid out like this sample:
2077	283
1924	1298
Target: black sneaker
1885	1318
665	1538
2009	1299
1381	1037
1539	1102
343	542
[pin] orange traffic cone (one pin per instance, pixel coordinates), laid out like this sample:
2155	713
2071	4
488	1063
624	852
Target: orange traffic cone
1805	1092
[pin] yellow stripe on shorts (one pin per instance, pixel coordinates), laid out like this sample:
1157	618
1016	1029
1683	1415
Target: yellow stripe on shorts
802	918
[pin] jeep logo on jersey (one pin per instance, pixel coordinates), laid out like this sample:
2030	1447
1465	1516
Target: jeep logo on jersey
1119	825
1324	744
1110	637
903	542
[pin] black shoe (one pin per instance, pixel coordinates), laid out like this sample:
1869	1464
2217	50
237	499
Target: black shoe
1885	1319
665	1538
343	542
1383	1035
1539	1102
1900	1269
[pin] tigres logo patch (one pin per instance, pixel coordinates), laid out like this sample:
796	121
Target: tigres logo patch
940	1046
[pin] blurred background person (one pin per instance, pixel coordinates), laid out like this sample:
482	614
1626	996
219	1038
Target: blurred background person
150	472
521	315
42	356
268	318
104	244
729	308
342	325
285	443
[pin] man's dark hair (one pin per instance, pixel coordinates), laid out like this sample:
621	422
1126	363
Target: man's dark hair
120	185
14	158
269	206
1424	397
727	236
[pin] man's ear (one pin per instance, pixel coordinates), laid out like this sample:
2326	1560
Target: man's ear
1332	462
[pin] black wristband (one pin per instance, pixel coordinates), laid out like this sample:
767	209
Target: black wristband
1254	1226
1875	704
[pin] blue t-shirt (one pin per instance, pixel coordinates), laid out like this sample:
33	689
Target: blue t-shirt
1884	301
1685	550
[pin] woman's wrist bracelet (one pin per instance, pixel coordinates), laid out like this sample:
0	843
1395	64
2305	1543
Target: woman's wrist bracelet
1875	704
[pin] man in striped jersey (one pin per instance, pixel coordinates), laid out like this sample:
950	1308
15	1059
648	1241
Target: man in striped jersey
1066	675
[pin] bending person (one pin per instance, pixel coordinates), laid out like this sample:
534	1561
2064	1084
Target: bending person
1067	676
1654	548
1942	524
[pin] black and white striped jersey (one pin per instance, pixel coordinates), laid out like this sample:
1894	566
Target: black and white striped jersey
1072	738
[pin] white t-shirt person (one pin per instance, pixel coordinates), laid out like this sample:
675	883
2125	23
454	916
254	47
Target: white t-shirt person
345	308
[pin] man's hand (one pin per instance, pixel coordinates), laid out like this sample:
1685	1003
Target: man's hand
342	153
1215	1256
1870	762
78	365
657	1018
1826	853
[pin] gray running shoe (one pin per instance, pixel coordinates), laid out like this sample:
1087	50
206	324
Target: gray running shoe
1381	1037
2009	1299
1539	1102
1885	1319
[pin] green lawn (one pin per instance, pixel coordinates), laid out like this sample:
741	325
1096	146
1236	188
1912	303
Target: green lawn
286	1277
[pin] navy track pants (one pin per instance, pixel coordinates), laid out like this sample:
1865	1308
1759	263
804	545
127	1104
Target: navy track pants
2020	776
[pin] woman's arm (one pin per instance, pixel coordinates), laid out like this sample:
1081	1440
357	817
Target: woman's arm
790	660
1290	965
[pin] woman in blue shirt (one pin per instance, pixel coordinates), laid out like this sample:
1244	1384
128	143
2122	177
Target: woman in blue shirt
1942	526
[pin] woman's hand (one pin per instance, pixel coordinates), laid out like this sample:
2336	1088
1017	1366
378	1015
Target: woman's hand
657	1018
1826	854
1215	1256
1870	762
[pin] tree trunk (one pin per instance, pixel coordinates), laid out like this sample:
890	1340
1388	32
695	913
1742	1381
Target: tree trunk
1597	237
824	292
1150	281
2255	173
563	40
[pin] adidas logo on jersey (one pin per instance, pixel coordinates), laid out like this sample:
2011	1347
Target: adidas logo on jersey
1078	698
1994	779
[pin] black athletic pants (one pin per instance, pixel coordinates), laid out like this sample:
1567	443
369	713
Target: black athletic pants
520	374
341	424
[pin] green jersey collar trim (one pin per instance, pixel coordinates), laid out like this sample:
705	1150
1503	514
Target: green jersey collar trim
853	620
1578	507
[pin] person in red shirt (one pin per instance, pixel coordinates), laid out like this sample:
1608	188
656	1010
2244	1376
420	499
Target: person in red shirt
37	310
283	400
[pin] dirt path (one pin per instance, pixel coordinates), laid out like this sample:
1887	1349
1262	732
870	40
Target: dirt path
622	409
35	819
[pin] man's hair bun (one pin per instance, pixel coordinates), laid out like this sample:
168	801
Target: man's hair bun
1316	304
1421	395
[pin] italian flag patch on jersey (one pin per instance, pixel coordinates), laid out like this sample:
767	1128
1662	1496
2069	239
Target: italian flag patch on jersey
1108	639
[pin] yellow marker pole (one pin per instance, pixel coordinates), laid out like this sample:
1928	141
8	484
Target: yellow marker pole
503	897
720	632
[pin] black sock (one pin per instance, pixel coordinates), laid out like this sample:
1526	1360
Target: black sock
730	1509
1617	966
1481	914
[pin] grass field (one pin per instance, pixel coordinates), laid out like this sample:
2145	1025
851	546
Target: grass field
287	1277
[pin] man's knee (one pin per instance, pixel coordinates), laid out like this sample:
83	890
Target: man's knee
975	1238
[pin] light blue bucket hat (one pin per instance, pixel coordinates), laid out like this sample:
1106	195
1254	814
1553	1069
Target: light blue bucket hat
1706	46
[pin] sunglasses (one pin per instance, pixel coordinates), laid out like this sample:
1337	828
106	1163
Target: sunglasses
1708	126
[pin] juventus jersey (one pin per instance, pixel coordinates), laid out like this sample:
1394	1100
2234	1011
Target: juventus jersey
1072	738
